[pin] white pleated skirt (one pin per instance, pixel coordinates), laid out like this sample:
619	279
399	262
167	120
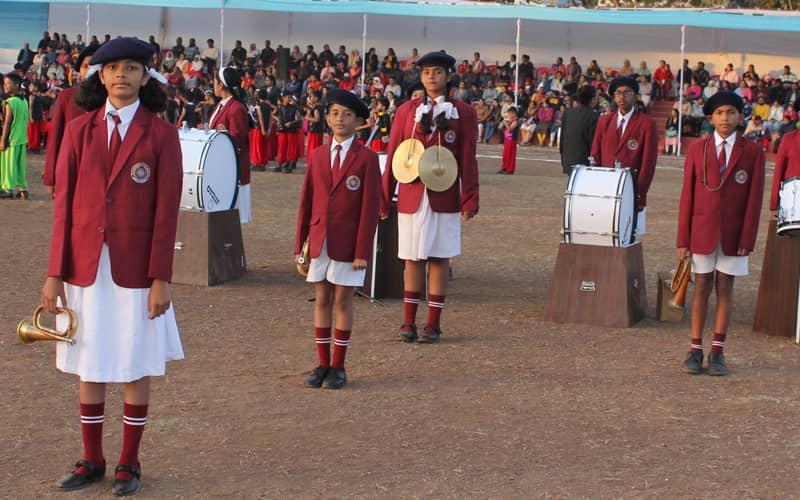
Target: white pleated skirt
426	233
323	268
243	204
115	340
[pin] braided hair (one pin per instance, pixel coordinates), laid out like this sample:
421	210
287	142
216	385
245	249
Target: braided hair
231	79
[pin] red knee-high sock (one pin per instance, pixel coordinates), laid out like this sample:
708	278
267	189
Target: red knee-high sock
435	305
718	343
92	416
410	304
341	339
323	338
133	419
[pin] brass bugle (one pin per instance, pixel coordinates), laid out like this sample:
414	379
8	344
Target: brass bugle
680	282
30	329
303	262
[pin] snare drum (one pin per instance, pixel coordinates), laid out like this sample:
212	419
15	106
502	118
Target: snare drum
382	164
209	170
599	206
789	208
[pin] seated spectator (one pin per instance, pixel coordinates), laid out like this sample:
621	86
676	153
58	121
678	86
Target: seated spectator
593	70
671	133
693	91
747	110
626	69
644	70
372	61
55	72
775	117
392	86
545	116
557	67
327	70
730	75
169	61
526	69
555	130
178	48
354	59
494	119
79	43
662	80
790	100
176	78
253	54
711	89
787	125
751	74
482	111
645	91
414	56
347	83
390	65
696	116
573	68
182	63
787	75
701	74
599	83
527	124
326	55
477	65
744	91
755	131
377	86
557	83
490	93
192	50
761	109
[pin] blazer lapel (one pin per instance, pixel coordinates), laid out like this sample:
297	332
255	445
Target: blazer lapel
217	114
325	163
736	153
632	121
355	147
713	175
129	143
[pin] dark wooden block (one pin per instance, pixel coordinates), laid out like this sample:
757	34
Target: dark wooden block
208	248
597	285
385	271
776	308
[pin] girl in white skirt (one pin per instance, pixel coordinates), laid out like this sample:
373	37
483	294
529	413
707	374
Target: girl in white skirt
338	215
429	222
114	227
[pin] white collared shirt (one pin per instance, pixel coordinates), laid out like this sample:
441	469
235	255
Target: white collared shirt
623	120
125	115
221	105
343	153
728	142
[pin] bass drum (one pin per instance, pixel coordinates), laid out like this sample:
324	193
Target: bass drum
789	208
209	170
599	206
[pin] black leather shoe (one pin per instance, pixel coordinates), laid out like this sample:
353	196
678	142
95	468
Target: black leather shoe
316	377
716	364
430	334
23	195
407	332
6	194
694	363
258	168
127	487
277	168
335	379
73	481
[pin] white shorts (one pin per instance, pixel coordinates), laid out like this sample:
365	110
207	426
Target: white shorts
243	204
733	265
323	268
427	233
115	341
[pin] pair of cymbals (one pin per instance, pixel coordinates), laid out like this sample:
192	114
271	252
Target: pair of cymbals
436	166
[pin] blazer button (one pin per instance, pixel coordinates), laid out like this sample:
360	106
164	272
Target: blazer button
102	229
331	197
108	199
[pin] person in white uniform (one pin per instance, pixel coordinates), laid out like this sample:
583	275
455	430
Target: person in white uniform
114	223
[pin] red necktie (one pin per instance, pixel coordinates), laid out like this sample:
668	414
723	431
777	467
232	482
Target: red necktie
116	141
722	160
337	162
619	129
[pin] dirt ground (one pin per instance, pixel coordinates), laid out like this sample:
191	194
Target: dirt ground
507	406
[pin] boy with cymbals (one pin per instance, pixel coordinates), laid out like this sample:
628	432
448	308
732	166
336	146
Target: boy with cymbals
338	215
723	186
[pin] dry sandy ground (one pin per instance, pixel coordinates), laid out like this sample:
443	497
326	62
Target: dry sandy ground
507	406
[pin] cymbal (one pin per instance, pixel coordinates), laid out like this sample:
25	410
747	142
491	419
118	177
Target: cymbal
438	168
304	262
405	162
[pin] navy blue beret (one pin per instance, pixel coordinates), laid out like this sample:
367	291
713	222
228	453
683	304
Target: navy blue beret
123	48
438	58
87	52
722	98
348	100
623	81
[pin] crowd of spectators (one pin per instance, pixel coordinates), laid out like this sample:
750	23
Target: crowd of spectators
545	91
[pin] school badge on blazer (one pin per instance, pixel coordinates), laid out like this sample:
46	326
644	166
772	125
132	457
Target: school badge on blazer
450	136
353	183
740	177
633	145
140	173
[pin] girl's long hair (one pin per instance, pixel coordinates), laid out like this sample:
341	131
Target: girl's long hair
93	94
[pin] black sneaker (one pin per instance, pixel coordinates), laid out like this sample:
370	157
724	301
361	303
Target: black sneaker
335	379
277	168
407	332
430	334
694	363
258	168
316	377
716	364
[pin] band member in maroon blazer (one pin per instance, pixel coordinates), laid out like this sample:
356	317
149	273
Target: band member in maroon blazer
627	139
338	215
787	165
429	222
65	110
723	185
231	115
119	179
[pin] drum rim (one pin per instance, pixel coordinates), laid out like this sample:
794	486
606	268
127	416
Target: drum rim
615	234
208	136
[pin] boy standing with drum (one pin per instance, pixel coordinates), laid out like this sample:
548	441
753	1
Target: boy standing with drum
720	204
338	215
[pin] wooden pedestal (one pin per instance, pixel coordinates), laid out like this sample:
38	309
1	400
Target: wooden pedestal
208	248
597	285
776	309
385	271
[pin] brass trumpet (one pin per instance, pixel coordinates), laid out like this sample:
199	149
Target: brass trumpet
303	262
680	282
30	329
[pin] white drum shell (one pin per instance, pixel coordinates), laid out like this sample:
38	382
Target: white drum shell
788	223
599	207
209	170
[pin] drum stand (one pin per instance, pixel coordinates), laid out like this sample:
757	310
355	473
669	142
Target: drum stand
777	308
598	285
385	271
208	248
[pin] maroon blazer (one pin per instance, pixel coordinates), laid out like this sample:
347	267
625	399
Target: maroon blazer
131	205
342	208
65	111
787	165
464	139
730	214
233	119
637	149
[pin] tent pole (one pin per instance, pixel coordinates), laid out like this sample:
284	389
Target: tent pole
516	69
222	34
680	91
363	56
